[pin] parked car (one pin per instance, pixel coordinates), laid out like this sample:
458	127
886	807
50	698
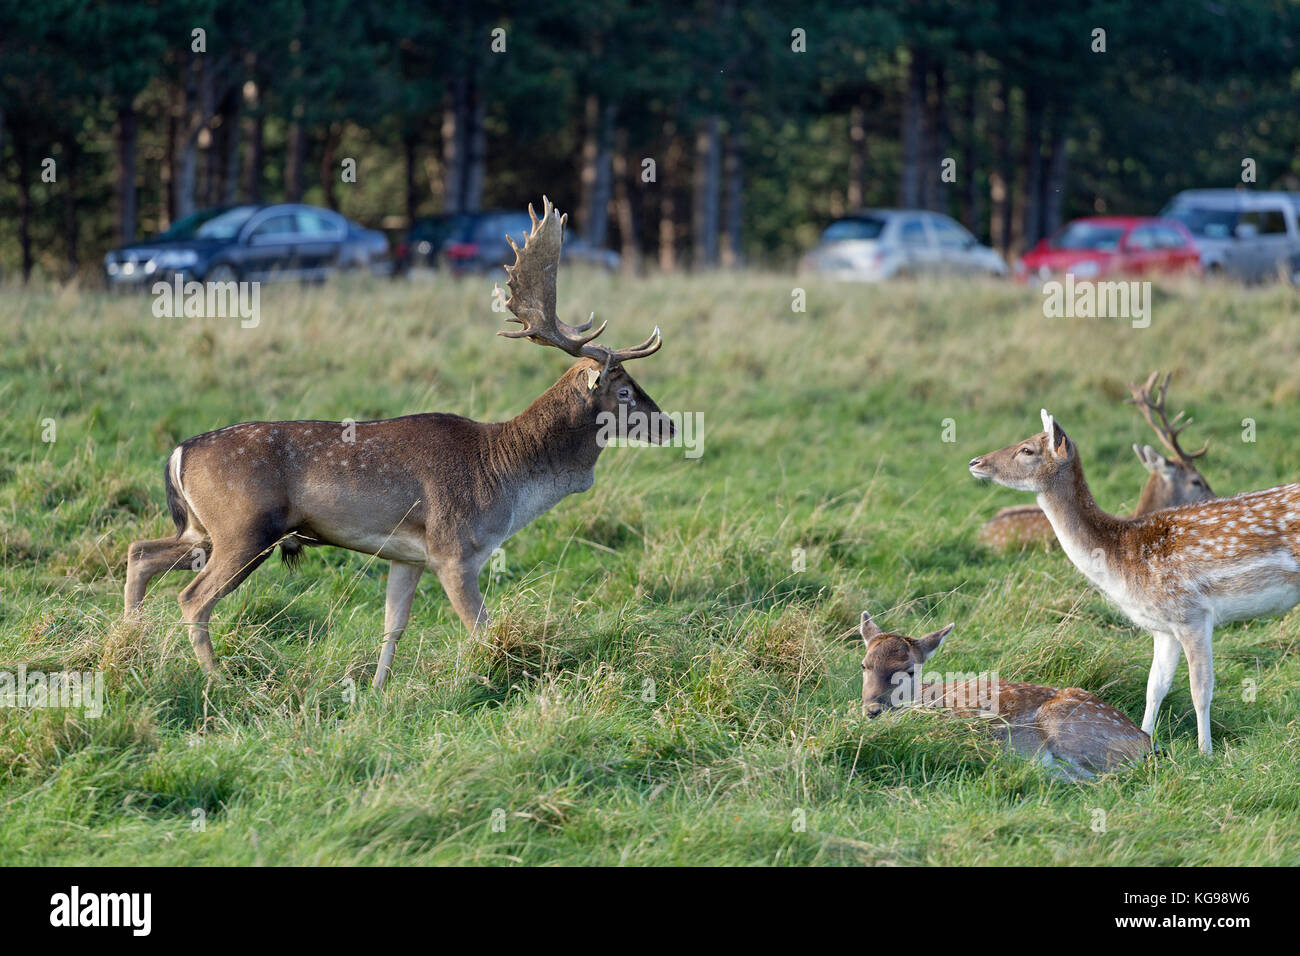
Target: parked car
878	244
426	241
251	242
1112	245
1246	235
479	244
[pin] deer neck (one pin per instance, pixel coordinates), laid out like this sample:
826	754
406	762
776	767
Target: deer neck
1149	500
552	440
1083	529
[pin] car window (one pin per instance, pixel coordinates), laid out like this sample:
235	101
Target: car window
313	223
1087	235
911	232
187	227
227	225
1168	238
1142	238
949	234
276	226
1266	221
1206	222
496	228
858	227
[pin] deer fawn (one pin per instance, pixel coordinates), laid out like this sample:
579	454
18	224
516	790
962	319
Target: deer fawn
1071	730
433	490
1171	481
1176	572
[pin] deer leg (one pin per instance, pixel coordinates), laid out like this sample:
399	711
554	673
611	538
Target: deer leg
460	581
1164	661
402	580
145	560
227	568
1198	645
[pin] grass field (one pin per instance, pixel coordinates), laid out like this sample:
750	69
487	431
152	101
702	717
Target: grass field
659	685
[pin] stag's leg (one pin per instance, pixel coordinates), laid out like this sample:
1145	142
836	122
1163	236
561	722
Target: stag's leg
1198	645
402	580
230	563
145	560
460	581
1164	661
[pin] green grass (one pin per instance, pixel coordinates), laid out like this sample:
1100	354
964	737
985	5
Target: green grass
659	686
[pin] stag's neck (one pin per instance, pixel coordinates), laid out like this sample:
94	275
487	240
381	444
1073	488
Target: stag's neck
1084	530
1149	500
553	439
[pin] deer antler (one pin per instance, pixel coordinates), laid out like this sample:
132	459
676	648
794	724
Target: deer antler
532	296
1150	400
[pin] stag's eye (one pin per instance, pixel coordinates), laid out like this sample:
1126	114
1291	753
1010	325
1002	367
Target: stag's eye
624	394
1026	450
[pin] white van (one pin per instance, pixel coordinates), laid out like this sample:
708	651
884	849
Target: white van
1246	235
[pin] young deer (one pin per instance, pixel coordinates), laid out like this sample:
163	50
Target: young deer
1176	572
1070	729
433	490
1171	481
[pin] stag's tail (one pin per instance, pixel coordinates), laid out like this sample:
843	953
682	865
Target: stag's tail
171	482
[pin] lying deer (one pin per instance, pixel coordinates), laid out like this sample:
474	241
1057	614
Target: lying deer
435	490
1071	730
1177	572
1171	481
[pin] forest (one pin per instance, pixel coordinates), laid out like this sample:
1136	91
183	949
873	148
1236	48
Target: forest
685	135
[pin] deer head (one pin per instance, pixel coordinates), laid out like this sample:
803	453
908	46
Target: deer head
1173	481
599	381
1034	464
889	669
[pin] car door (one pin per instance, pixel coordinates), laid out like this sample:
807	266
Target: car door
1272	246
956	249
269	246
319	241
916	245
1139	251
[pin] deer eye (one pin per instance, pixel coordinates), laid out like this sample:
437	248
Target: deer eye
1026	450
624	394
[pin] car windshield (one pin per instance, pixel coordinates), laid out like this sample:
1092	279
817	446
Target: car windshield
1086	235
859	227
185	228
1207	223
226	225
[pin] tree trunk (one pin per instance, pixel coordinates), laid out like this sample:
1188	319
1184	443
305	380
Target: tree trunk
1032	162
464	143
230	122
733	222
909	194
857	193
1000	176
667	180
70	219
597	167
937	130
410	160
168	173
1054	183
187	148
969	190
297	157
629	250
330	172
256	157
476	168
24	205
124	173
707	193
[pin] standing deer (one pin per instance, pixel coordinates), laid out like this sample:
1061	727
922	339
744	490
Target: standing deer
1071	730
1176	572
434	490
1171	481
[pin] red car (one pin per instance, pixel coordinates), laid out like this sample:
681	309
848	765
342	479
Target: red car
1112	245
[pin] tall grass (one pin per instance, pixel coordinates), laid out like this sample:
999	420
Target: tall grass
660	684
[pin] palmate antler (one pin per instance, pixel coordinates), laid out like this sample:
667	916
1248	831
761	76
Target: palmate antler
532	296
1150	400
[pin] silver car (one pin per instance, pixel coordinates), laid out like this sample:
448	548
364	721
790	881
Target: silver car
878	244
1246	235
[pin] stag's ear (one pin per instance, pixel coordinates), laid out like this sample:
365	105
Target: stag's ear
593	378
868	628
934	640
1057	440
1152	460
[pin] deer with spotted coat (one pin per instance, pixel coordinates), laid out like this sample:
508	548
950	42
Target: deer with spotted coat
1072	731
1170	481
1178	572
433	491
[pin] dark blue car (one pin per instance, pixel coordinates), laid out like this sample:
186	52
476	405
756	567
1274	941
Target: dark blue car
251	243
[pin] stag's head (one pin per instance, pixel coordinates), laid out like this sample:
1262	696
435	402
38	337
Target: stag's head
1174	480
598	381
1034	464
891	666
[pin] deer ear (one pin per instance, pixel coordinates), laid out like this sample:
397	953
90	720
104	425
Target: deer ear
1142	453
593	376
868	628
934	640
1057	440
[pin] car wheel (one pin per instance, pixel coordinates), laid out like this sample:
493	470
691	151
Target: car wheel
222	272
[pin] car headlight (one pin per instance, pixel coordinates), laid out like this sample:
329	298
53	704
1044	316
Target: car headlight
176	258
1084	270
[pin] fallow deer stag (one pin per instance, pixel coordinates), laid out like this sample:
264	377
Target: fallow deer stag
1176	572
1171	481
1071	730
431	490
